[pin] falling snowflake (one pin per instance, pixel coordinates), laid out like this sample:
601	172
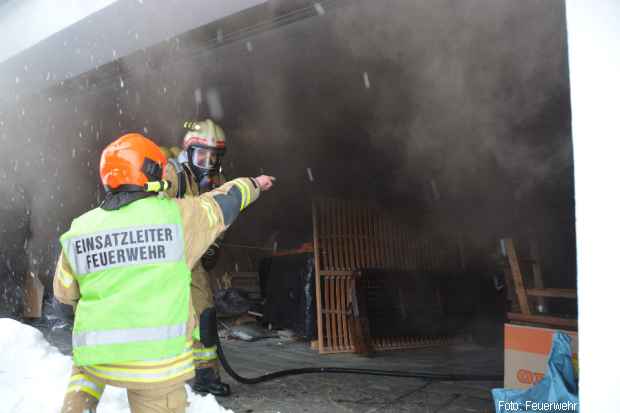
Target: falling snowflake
319	9
366	80
215	104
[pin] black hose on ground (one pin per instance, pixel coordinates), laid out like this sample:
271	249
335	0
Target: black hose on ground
344	370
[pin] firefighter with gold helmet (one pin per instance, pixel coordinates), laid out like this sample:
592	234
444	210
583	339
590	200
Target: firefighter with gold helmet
194	171
125	268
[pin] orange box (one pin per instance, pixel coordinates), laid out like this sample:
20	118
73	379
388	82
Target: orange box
526	350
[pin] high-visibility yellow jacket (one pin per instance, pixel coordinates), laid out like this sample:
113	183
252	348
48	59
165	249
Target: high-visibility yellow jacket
201	220
133	281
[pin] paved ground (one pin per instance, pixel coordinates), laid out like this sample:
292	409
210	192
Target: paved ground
319	393
356	393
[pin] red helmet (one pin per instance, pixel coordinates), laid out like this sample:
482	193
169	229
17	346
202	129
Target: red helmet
131	160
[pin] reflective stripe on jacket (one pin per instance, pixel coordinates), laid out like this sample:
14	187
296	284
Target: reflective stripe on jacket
134	283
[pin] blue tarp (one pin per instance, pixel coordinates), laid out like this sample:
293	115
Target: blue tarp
556	392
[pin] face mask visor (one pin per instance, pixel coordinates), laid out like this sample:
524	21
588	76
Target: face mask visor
205	159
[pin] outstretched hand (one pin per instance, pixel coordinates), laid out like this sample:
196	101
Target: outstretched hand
265	182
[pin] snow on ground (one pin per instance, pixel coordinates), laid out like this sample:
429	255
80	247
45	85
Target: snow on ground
34	376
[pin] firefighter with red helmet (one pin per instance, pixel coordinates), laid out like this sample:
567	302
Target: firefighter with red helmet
196	170
125	268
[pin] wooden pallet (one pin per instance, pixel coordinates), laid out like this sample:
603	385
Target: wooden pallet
347	236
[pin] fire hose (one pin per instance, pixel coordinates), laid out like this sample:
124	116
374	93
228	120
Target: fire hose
425	375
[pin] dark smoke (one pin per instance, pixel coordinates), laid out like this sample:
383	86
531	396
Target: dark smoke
454	113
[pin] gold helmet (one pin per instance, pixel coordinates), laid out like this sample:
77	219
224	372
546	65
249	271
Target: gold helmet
205	144
206	134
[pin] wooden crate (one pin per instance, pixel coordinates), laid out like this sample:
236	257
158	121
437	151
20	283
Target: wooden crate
348	236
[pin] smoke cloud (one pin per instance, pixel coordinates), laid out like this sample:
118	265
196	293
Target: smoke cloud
455	112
